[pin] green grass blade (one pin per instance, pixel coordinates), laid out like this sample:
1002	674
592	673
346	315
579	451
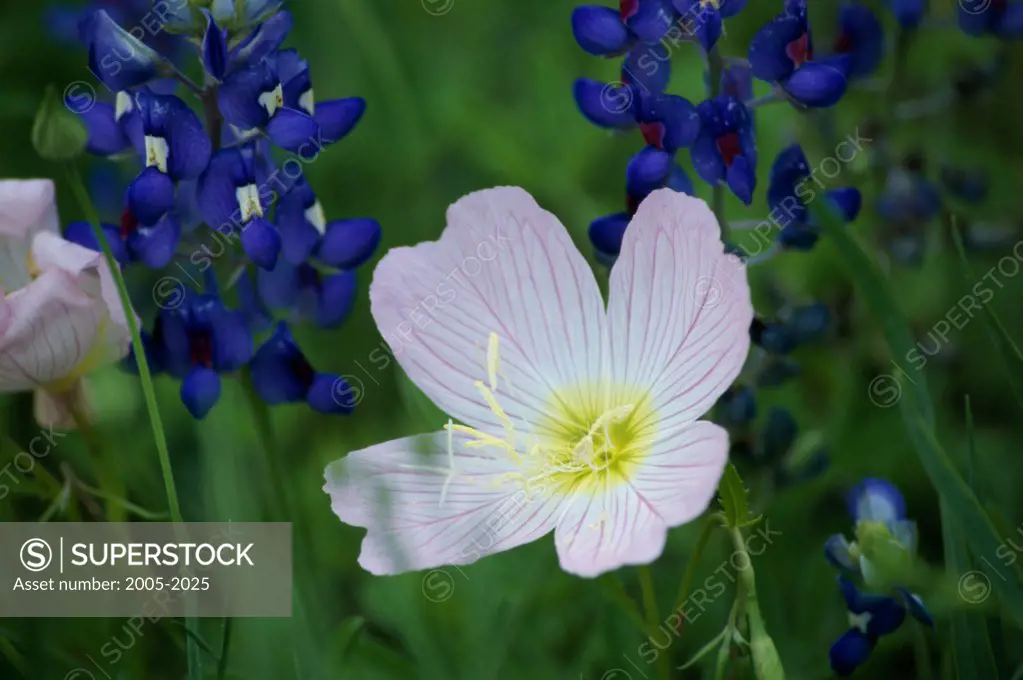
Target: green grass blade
1008	352
971	644
918	413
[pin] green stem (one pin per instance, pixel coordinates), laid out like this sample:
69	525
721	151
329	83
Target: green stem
653	617
225	647
924	670
145	375
726	643
715	67
124	504
148	391
766	661
694	558
109	480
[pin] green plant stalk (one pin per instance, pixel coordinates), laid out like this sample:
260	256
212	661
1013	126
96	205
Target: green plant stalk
766	662
225	647
729	631
653	617
715	67
149	392
145	375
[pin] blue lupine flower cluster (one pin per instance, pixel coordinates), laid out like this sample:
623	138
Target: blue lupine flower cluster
720	134
227	194
883	535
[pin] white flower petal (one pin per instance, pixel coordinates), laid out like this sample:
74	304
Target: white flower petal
421	515
503	266
679	309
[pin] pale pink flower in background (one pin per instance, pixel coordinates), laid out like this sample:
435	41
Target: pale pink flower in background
60	316
576	419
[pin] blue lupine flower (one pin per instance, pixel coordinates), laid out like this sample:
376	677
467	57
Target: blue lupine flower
782	53
726	150
650	169
232	198
282	375
879	511
214	48
789	191
668	122
252	98
199	341
335	118
601	31
175	147
648	20
704	18
119	59
779	434
606	105
970	186
870	617
861	36
131	241
232	14
997	17
737	81
343	244
909	13
808	323
325	298
908	198
737	407
771	336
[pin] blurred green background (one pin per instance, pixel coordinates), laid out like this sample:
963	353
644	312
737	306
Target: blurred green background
477	97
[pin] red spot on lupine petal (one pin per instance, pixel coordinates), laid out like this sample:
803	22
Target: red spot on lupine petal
129	223
200	349
628	9
653	133
799	50
845	43
729	147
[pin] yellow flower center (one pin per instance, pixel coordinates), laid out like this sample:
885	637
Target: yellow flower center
592	436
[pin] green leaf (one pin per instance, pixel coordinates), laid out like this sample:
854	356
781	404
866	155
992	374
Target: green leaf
971	644
735	499
918	412
1008	352
347	636
58	134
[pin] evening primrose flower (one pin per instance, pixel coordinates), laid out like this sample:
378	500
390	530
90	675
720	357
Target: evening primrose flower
60	317
574	418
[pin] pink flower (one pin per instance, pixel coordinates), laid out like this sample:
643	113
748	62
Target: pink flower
576	419
60	316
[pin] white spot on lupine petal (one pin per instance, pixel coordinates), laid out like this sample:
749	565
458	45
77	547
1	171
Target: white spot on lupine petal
248	202
272	100
314	215
308	102
156	153
122	105
860	621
